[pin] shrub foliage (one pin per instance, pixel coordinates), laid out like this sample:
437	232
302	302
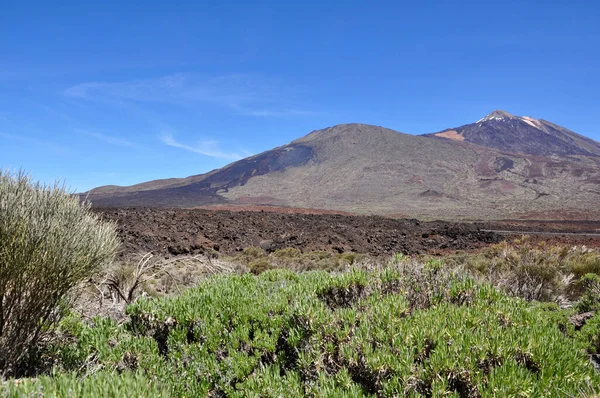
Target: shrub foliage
258	260
48	243
406	330
532	271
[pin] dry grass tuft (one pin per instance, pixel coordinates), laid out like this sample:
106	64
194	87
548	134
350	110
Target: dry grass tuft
124	282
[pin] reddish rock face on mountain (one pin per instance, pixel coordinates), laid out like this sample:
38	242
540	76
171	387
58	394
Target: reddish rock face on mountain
500	166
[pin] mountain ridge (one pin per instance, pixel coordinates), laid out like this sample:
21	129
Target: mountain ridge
469	171
522	134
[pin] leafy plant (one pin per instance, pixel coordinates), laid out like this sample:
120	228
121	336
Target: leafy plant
533	271
103	384
258	260
590	301
406	330
259	266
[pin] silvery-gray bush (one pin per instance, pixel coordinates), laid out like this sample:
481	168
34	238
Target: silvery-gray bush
49	242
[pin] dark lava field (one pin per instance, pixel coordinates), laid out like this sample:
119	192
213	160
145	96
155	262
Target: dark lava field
171	232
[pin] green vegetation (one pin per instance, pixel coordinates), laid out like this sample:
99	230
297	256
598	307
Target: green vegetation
258	260
49	242
411	329
590	300
102	384
533	272
468	325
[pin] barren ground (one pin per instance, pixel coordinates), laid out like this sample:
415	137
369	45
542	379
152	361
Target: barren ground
170	232
178	231
570	232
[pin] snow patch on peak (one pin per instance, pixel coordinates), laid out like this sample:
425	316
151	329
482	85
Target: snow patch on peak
497	115
532	122
505	116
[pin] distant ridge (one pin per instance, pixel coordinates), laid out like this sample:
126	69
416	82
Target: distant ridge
506	132
499	166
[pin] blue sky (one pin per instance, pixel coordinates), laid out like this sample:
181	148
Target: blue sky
97	94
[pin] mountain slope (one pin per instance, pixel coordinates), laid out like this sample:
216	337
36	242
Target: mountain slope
204	188
369	169
506	132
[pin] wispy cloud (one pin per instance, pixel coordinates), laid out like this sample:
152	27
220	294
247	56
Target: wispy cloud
243	94
274	113
206	148
109	139
32	141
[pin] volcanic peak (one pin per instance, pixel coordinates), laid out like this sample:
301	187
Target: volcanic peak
498	114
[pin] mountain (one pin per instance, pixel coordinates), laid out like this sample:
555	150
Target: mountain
506	132
498	167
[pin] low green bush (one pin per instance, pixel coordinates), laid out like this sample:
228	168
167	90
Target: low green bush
590	300
412	330
587	262
532	271
293	259
590	335
250	254
259	266
289	253
102	384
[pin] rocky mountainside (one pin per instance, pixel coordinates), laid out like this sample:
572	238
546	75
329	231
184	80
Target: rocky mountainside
474	171
506	132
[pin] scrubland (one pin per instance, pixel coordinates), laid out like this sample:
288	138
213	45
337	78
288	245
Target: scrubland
513	319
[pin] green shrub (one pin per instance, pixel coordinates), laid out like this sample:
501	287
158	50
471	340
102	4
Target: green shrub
318	260
587	262
352	334
590	300
350	258
399	258
590	335
250	254
49	242
260	266
293	259
289	253
532	271
102	384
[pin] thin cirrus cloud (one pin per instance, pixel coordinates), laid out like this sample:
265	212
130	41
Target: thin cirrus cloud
32	141
206	148
243	94
109	139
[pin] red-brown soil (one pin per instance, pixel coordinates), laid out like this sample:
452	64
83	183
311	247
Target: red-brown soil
567	226
573	232
591	214
273	209
170	232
